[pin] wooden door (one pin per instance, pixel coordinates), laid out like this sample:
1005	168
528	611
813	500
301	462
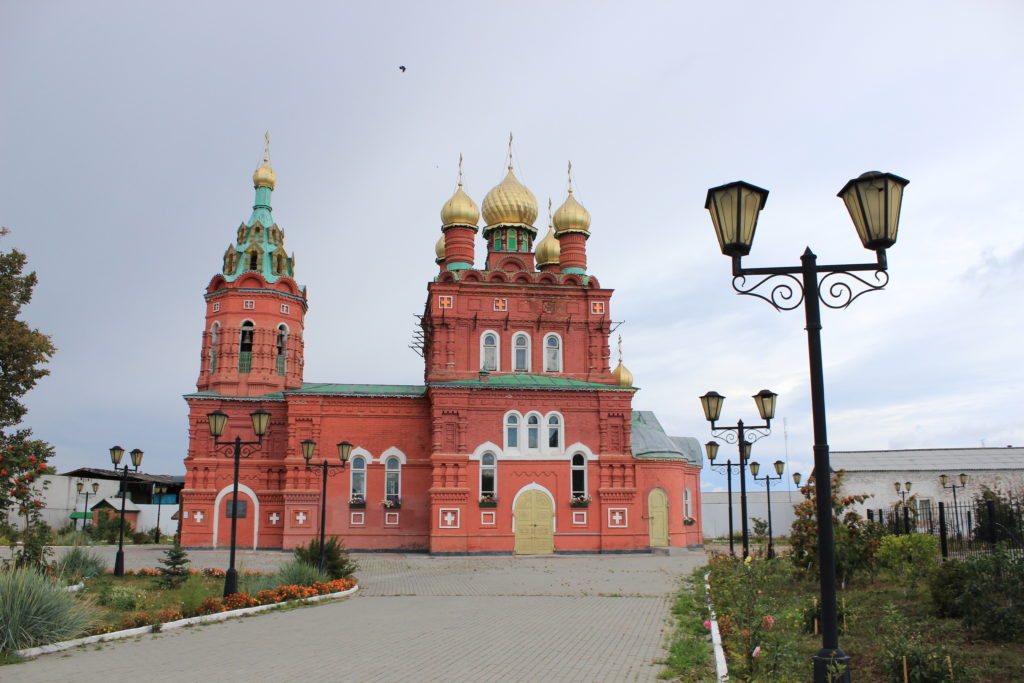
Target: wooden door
534	514
657	517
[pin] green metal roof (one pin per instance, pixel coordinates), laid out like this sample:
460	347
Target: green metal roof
359	389
521	381
276	396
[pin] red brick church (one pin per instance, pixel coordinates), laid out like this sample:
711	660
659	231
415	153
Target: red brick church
521	438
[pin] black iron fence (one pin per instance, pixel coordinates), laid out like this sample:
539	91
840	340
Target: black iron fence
964	529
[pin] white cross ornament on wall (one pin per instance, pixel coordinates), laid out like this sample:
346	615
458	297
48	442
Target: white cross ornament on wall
274	518
617	518
199	516
301	517
449	518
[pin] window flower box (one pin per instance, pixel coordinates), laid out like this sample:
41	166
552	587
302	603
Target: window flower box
391	503
357	502
689	521
488	502
579	502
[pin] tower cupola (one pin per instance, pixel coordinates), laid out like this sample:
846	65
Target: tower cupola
509	211
572	228
548	249
459	218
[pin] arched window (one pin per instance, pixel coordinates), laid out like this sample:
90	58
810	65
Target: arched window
579	475
393	480
489	352
521	353
554	432
282	348
512	431
254	260
687	505
533	432
245	346
552	353
214	340
488	475
357	487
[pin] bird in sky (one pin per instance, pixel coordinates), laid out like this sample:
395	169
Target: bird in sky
402	69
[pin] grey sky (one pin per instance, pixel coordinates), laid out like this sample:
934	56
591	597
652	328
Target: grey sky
129	132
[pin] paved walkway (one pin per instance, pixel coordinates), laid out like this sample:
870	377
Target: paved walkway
416	618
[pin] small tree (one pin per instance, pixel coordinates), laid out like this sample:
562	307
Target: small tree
856	539
174	567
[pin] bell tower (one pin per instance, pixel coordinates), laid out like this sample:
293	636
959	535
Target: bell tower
255	311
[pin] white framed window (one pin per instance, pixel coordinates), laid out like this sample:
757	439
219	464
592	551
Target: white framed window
282	348
216	307
393	480
285	308
489	351
554	439
521	352
501	304
552	353
687	503
214	341
488	475
445	301
357	479
597	308
512	423
249	305
245	338
533	432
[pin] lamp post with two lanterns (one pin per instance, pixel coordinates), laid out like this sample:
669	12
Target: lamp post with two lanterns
344	451
904	492
768	479
944	480
80	487
712	450
236	449
873	201
743	436
116	453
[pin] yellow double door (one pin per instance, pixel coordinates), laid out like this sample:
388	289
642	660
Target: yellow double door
534	515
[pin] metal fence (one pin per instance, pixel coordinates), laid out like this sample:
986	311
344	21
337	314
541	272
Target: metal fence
963	530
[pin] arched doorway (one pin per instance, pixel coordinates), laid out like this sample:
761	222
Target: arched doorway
657	518
248	518
534	513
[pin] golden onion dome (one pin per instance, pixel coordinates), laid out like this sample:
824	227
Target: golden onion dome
439	249
571	216
549	249
510	202
623	377
460	210
264	176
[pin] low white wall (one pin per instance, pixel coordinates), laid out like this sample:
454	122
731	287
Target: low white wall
715	512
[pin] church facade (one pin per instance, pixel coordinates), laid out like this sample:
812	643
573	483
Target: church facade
521	438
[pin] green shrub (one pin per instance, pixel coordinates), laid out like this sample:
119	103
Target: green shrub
925	663
293	573
34	610
993	597
106	527
947	587
78	563
337	562
909	558
123	598
71	537
140	537
193	592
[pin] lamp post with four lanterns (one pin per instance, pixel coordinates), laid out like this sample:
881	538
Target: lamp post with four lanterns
743	436
873	201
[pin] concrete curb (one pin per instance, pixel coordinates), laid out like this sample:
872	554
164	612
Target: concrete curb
171	625
721	667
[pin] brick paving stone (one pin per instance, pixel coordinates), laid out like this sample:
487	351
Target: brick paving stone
416	618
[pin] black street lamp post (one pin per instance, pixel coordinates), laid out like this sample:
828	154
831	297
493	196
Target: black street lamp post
159	491
743	436
904	492
217	421
712	449
767	479
116	453
344	451
80	487
873	201
944	480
